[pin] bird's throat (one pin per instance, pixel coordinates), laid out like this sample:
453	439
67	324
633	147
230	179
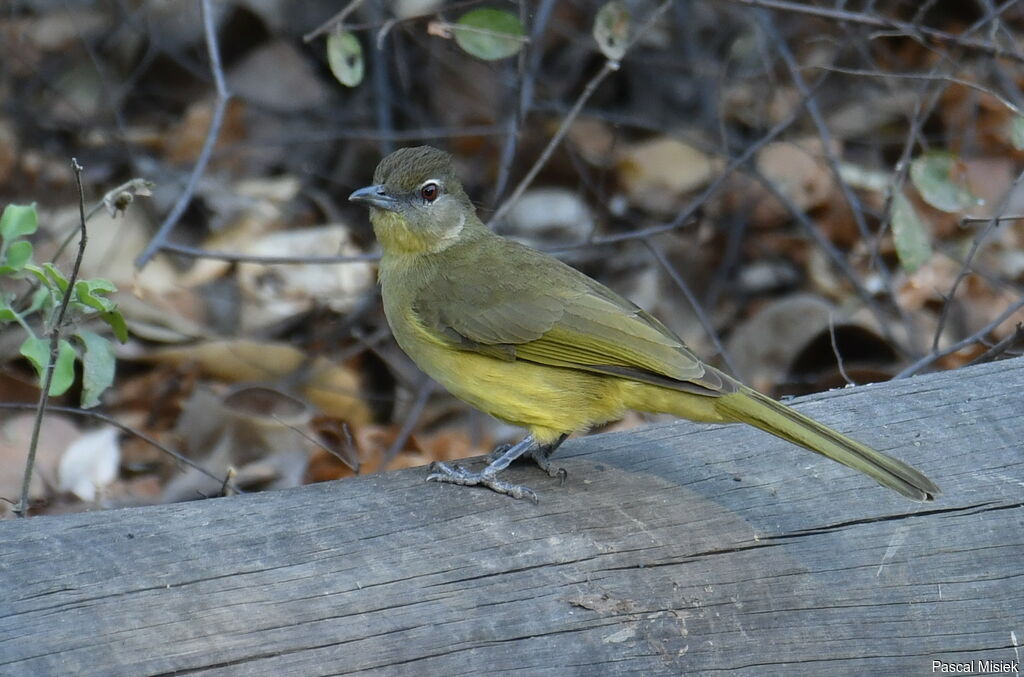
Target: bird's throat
396	235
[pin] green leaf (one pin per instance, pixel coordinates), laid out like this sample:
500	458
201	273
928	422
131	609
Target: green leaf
345	57
1017	133
910	233
37	351
489	34
98	367
38	272
17	221
612	26
87	292
38	300
58	277
117	324
7	315
933	176
64	369
18	254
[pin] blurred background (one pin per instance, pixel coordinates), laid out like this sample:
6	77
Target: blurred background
811	194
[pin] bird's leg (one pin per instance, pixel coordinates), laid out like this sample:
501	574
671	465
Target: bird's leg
541	455
456	474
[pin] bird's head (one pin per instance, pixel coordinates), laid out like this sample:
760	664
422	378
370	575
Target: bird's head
417	204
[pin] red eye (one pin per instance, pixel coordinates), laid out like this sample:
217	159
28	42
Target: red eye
429	191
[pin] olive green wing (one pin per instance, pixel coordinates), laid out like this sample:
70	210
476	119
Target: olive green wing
569	320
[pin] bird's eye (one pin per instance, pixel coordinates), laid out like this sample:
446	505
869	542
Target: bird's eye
429	191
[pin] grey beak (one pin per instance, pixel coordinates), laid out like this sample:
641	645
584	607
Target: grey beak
375	196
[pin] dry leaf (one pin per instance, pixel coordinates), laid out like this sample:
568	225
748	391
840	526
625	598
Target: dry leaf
15	433
273	293
90	463
185	141
659	173
332	388
546	216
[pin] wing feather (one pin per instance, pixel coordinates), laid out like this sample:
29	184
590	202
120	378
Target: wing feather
571	321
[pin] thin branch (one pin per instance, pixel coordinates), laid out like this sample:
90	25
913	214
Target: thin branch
1013	108
835	350
979	239
236	257
528	64
44	393
693	207
702	316
1007	343
123	427
959	345
412	417
821	126
219	107
334	21
884	23
132	187
607	69
988	219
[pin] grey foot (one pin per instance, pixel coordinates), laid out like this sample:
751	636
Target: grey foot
541	455
456	474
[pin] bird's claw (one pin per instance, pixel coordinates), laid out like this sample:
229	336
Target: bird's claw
541	458
456	474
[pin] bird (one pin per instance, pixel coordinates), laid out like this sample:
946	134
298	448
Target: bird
538	344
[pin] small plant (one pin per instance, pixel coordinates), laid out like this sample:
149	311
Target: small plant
87	300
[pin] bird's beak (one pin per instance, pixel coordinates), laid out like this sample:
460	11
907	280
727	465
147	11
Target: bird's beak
375	196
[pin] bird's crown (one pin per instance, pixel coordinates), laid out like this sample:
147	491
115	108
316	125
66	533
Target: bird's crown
407	168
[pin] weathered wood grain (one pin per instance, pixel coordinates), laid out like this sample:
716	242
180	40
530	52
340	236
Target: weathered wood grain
676	549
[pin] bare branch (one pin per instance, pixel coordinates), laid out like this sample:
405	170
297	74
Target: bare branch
219	107
885	23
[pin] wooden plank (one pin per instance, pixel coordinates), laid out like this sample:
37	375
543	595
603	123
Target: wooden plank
674	549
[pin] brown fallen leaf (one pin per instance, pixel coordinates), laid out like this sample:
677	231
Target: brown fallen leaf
332	388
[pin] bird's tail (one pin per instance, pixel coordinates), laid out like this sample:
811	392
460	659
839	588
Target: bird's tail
749	406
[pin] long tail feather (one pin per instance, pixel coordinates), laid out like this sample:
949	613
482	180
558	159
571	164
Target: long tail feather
750	406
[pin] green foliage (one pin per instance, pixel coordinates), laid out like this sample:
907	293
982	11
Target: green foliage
937	176
489	34
89	299
345	57
1017	132
910	234
612	26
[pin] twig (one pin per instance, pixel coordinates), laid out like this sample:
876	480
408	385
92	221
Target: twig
1005	344
830	156
705	321
219	107
423	394
236	257
382	90
1013	108
835	350
123	427
528	63
132	187
44	393
988	219
959	345
880	22
335	20
979	239
693	207
607	69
